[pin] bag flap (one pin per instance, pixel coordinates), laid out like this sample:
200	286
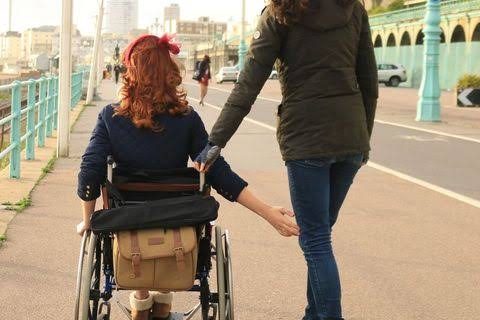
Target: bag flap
156	243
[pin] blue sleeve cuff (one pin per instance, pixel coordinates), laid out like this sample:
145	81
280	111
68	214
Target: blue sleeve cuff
226	182
87	190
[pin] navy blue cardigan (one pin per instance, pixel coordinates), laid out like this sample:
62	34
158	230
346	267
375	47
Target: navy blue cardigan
183	136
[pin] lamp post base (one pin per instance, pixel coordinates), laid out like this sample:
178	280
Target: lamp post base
242	52
428	110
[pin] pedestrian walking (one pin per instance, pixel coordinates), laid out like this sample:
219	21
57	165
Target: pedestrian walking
152	120
117	70
204	77
329	83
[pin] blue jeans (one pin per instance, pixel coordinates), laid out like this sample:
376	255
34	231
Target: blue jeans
317	189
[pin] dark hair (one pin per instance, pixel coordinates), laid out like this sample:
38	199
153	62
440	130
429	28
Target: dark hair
291	11
206	58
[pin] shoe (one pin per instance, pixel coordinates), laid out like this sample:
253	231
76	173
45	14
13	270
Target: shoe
201	103
162	305
140	308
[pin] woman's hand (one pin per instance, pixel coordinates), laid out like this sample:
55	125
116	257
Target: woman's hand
82	227
207	157
280	219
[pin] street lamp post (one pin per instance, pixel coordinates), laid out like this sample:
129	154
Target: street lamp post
242	48
96	46
428	108
65	79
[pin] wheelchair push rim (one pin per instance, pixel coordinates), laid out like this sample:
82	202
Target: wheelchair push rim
224	275
86	269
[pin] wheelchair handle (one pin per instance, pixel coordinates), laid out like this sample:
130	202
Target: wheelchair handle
202	181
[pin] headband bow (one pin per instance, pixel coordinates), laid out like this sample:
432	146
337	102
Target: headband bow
165	40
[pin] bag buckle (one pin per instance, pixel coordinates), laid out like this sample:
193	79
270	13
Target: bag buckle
136	258
180	257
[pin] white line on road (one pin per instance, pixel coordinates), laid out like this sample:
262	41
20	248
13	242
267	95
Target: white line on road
440	133
422	183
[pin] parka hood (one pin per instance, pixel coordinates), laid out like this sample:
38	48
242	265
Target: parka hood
323	15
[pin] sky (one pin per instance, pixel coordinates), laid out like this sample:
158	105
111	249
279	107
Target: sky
34	13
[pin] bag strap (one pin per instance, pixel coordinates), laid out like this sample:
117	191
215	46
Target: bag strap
156	187
113	192
179	249
136	256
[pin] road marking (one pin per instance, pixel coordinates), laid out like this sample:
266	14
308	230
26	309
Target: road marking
422	139
440	133
258	123
398	174
422	183
229	91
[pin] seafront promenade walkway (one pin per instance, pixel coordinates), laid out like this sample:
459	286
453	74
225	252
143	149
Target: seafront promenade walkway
405	250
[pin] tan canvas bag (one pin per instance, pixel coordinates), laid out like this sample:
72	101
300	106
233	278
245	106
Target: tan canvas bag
156	259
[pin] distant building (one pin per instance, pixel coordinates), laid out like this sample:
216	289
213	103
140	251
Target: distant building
204	26
121	16
135	33
171	17
38	40
10	47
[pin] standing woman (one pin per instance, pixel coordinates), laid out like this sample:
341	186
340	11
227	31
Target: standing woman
329	84
205	76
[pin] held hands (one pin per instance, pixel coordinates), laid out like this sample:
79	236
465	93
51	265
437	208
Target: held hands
207	157
280	219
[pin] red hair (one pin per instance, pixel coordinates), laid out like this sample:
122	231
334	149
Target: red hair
151	83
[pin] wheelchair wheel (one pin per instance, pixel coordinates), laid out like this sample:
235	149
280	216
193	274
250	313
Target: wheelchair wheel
88	279
230	305
224	275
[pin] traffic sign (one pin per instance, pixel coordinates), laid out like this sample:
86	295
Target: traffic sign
468	98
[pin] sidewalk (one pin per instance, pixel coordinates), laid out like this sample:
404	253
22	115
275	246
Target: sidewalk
15	191
38	260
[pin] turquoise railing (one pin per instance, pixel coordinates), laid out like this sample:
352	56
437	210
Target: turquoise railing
39	114
417	13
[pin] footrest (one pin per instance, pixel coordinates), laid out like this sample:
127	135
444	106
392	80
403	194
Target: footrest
176	316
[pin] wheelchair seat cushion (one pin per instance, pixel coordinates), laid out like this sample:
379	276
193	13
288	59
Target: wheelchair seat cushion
166	213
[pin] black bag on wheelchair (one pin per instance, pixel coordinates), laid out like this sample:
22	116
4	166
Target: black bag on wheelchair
166	213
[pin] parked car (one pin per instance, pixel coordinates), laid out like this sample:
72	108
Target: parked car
391	74
226	74
273	75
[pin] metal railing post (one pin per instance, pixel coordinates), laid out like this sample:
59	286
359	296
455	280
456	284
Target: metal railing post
49	107
72	93
15	131
55	103
42	112
30	142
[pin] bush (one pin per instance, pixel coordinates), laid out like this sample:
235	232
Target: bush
395	5
469	81
377	10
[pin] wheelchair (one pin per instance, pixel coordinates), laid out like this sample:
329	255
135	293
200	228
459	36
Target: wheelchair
96	290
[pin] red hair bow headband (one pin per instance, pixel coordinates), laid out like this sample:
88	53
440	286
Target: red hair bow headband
165	40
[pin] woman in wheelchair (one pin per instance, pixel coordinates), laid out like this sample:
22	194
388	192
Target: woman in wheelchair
153	127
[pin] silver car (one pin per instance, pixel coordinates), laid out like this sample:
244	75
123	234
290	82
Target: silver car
391	74
227	74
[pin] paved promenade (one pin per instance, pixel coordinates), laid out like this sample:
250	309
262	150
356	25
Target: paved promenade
405	251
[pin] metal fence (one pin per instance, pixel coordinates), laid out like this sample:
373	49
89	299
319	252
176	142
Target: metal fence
39	113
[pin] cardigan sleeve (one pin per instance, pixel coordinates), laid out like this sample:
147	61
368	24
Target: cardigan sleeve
221	177
93	169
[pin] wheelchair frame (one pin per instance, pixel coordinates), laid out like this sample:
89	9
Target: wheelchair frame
96	286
